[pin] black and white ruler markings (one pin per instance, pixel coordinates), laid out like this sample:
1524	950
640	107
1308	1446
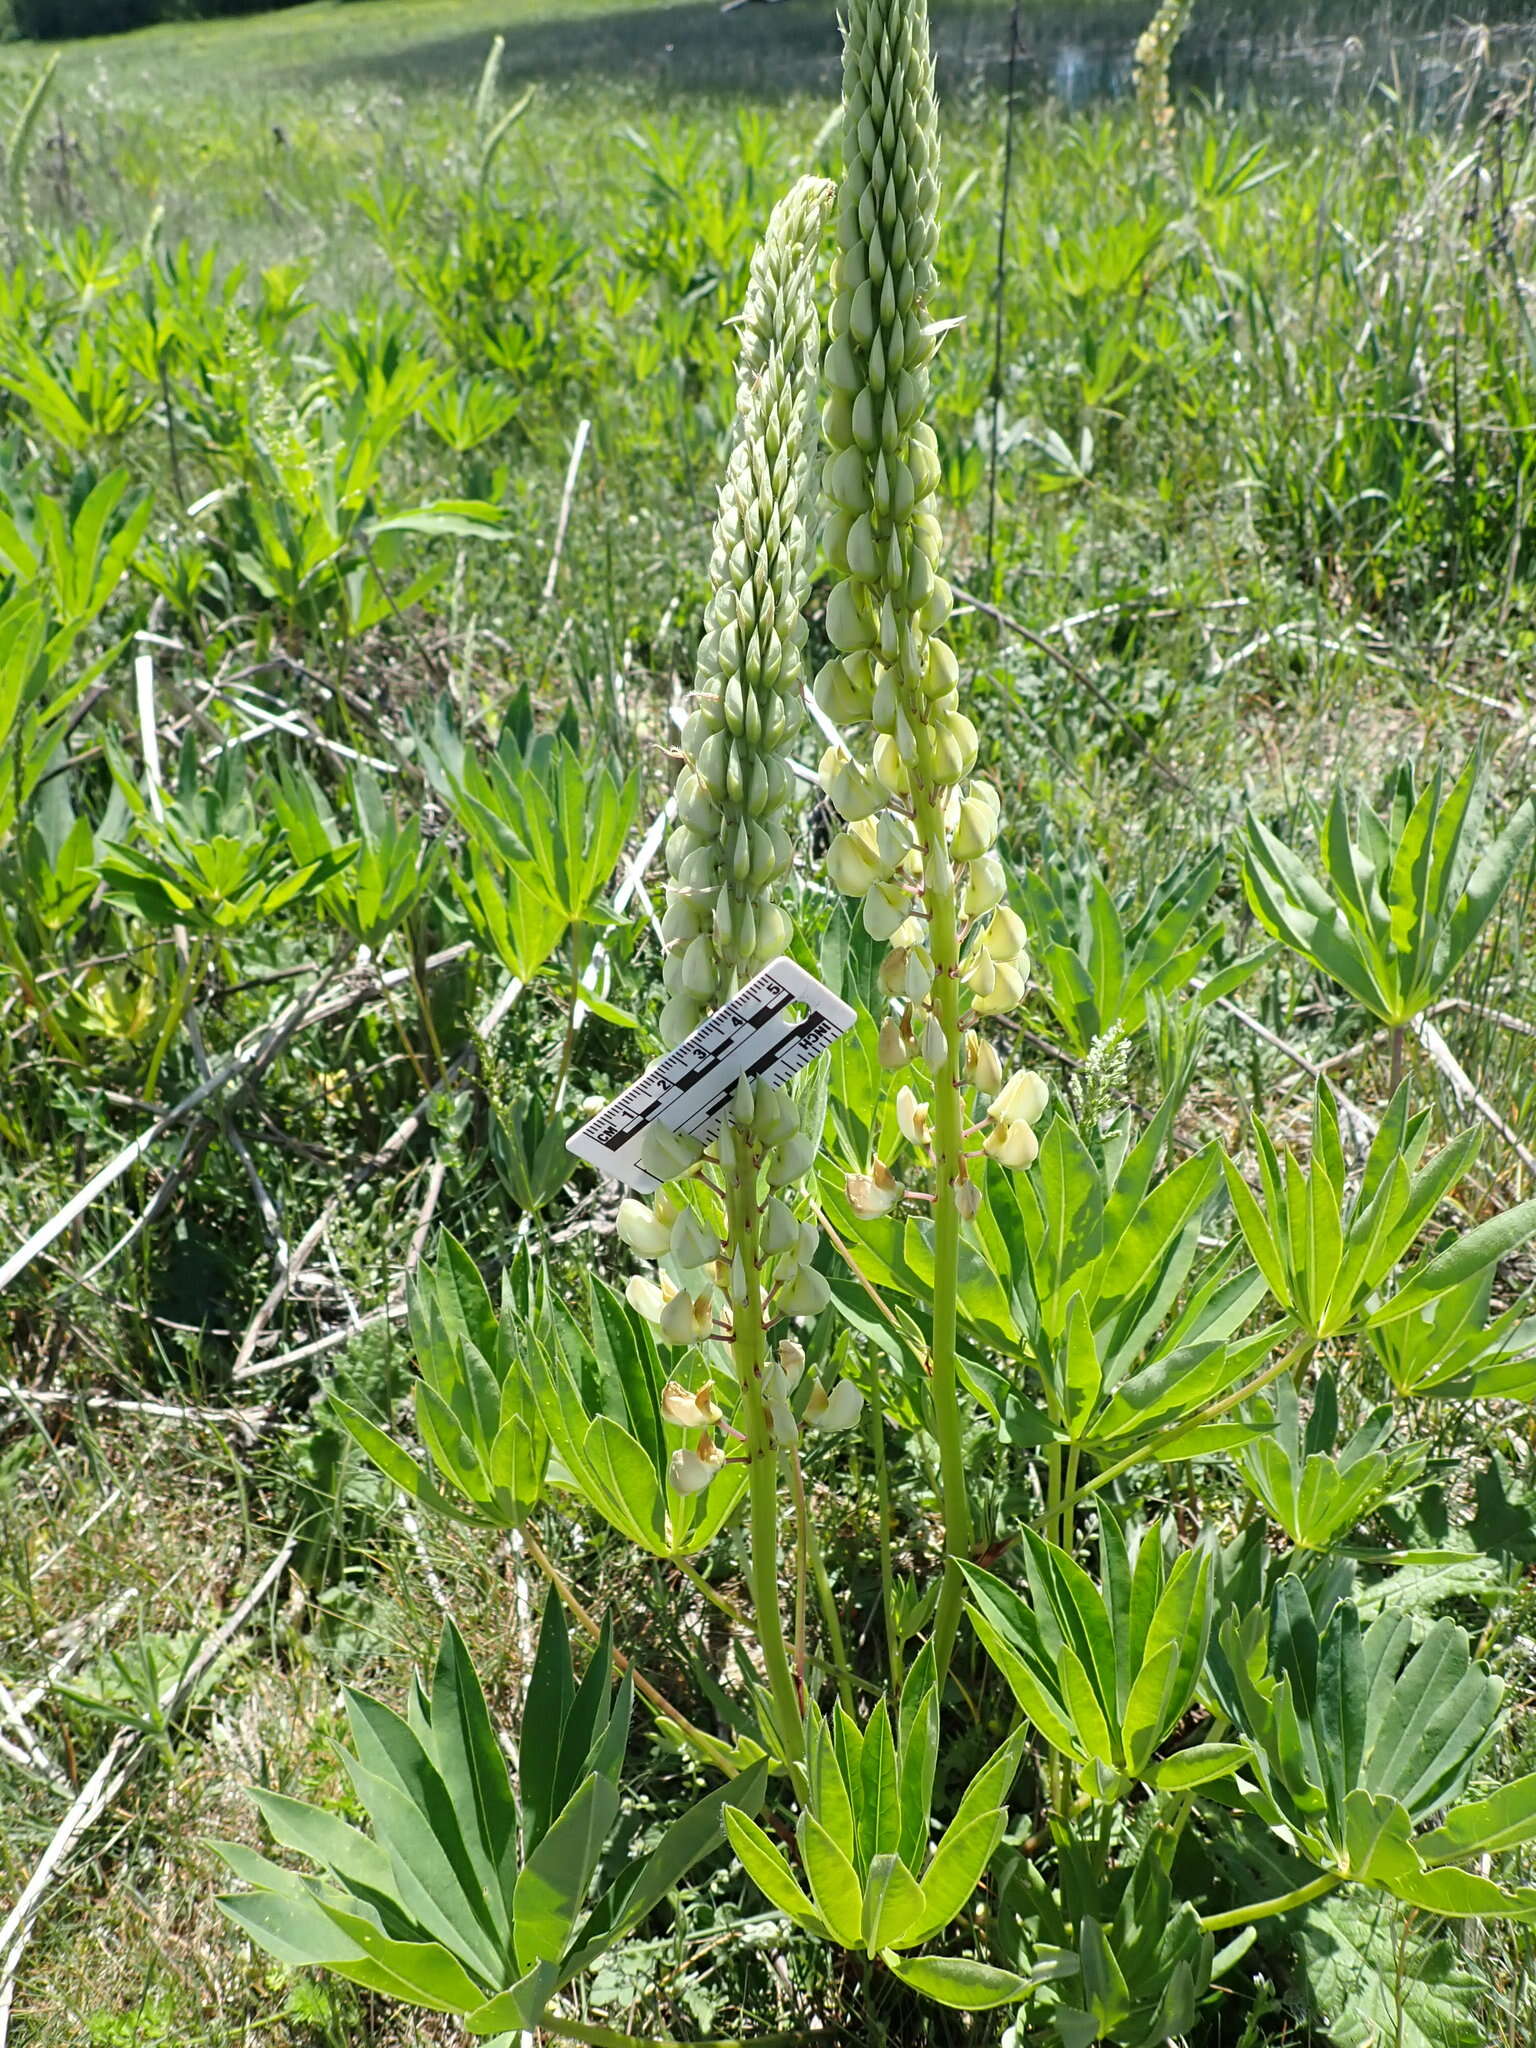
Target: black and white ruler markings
782	1020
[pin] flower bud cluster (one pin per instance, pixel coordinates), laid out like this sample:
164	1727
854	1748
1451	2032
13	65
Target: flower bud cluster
707	1285
918	847
729	850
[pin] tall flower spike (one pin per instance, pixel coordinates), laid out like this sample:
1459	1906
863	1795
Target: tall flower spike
727	857
922	862
729	850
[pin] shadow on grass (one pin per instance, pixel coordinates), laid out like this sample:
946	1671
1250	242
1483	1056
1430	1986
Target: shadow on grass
757	51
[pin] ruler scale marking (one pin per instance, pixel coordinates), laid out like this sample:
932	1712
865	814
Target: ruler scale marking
690	1089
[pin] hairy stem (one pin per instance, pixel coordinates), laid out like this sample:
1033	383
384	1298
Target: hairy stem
749	1350
948	1150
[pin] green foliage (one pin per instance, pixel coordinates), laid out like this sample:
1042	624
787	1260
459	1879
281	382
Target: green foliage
474	1411
1100	966
1107	1676
863	1834
1330	1252
1144	1963
1359	1737
1316	1488
471	1895
597	1384
1405	895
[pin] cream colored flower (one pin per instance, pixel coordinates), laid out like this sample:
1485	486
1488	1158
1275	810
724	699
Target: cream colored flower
691	1471
840	1409
689	1410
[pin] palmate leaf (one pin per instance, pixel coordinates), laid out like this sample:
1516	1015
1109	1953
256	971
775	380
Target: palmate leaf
1373	1979
437	1907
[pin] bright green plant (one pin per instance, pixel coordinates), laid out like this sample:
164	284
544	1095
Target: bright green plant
1108	1676
1330	1252
1451	1348
876	1883
1316	1488
1358	1738
1144	1961
1404	896
474	1413
471	1894
1100	966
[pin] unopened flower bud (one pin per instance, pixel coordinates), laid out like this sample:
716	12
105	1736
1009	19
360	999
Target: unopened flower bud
852	793
1005	937
976	828
1007	992
694	1244
907	973
983	1068
668	1154
852	866
782	1424
806	1295
688	1318
792	1162
935	1045
780	1229
893	1050
968	1200
886	908
791	1362
912	1117
985	886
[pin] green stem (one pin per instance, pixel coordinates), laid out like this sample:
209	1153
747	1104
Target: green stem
1304	1894
706	1747
186	983
749	1350
1212	1412
949	1166
883	1499
830	1619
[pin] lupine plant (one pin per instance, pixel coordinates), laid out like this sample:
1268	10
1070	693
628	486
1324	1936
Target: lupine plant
1128	1713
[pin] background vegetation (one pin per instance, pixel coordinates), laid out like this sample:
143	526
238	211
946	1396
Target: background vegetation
343	421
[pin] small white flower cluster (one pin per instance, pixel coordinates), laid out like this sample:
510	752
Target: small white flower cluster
691	1469
704	1290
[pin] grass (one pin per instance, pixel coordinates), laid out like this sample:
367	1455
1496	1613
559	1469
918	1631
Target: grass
1265	505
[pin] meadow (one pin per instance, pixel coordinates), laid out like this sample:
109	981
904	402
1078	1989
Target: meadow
367	376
